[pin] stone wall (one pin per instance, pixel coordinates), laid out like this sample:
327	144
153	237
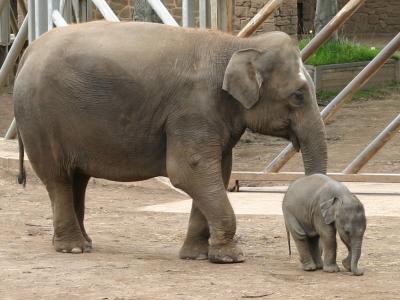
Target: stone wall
284	19
375	17
124	9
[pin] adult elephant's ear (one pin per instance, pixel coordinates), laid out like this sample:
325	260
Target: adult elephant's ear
242	79
328	209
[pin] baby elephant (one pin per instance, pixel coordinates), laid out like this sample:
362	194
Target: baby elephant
315	207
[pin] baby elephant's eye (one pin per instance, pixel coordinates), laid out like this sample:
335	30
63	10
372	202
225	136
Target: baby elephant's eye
297	98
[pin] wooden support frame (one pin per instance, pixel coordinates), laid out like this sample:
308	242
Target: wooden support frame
237	177
4	23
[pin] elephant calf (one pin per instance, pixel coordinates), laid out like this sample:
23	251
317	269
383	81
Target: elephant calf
314	207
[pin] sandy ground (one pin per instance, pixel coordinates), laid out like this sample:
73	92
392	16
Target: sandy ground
135	251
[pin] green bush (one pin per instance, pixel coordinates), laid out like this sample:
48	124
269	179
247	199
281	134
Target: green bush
341	52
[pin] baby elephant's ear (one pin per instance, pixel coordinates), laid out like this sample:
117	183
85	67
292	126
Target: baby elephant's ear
328	209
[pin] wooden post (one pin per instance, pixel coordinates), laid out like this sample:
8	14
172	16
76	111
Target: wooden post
373	147
259	18
346	94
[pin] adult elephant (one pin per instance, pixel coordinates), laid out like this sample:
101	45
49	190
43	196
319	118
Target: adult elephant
131	101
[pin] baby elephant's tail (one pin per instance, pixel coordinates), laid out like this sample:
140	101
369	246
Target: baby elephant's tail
22	172
288	239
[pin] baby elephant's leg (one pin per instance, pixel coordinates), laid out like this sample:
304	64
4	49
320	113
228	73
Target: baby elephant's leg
301	240
316	251
329	245
306	258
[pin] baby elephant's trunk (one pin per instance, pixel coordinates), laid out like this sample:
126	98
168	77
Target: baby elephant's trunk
355	256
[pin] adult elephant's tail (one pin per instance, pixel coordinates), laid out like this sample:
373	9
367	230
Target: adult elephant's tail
22	172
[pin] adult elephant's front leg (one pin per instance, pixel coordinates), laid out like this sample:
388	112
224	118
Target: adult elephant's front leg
196	242
197	171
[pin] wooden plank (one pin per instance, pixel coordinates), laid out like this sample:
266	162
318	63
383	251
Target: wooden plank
291	176
230	11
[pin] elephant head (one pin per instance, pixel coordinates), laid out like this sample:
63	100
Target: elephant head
278	96
347	214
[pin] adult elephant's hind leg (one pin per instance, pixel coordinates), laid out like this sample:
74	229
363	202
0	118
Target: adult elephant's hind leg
79	188
68	236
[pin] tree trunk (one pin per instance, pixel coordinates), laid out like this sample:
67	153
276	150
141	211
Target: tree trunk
324	12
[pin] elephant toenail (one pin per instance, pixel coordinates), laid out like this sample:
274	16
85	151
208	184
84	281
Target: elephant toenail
76	250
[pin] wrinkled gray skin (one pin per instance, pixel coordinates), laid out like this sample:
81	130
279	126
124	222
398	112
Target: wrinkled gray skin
314	208
131	101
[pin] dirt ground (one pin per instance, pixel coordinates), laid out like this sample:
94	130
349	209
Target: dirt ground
135	252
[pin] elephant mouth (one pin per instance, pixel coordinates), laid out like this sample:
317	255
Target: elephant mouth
295	141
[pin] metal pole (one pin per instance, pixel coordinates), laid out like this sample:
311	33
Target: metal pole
3	4
341	17
105	10
62	7
75	9
203	7
343	96
9	62
162	12
373	147
13	22
58	19
188	13
214	14
5	23
259	18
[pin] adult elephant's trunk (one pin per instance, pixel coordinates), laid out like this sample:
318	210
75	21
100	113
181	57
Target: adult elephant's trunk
312	139
355	256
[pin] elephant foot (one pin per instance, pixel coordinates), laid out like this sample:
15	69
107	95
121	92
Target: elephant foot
225	254
309	266
331	268
358	272
194	250
72	246
319	265
346	263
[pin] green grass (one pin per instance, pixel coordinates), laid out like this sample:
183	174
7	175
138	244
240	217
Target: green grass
341	52
324	97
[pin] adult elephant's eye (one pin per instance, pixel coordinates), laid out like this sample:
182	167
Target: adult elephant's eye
297	98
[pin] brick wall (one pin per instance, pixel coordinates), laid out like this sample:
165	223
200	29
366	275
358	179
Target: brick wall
284	19
124	8
375	17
